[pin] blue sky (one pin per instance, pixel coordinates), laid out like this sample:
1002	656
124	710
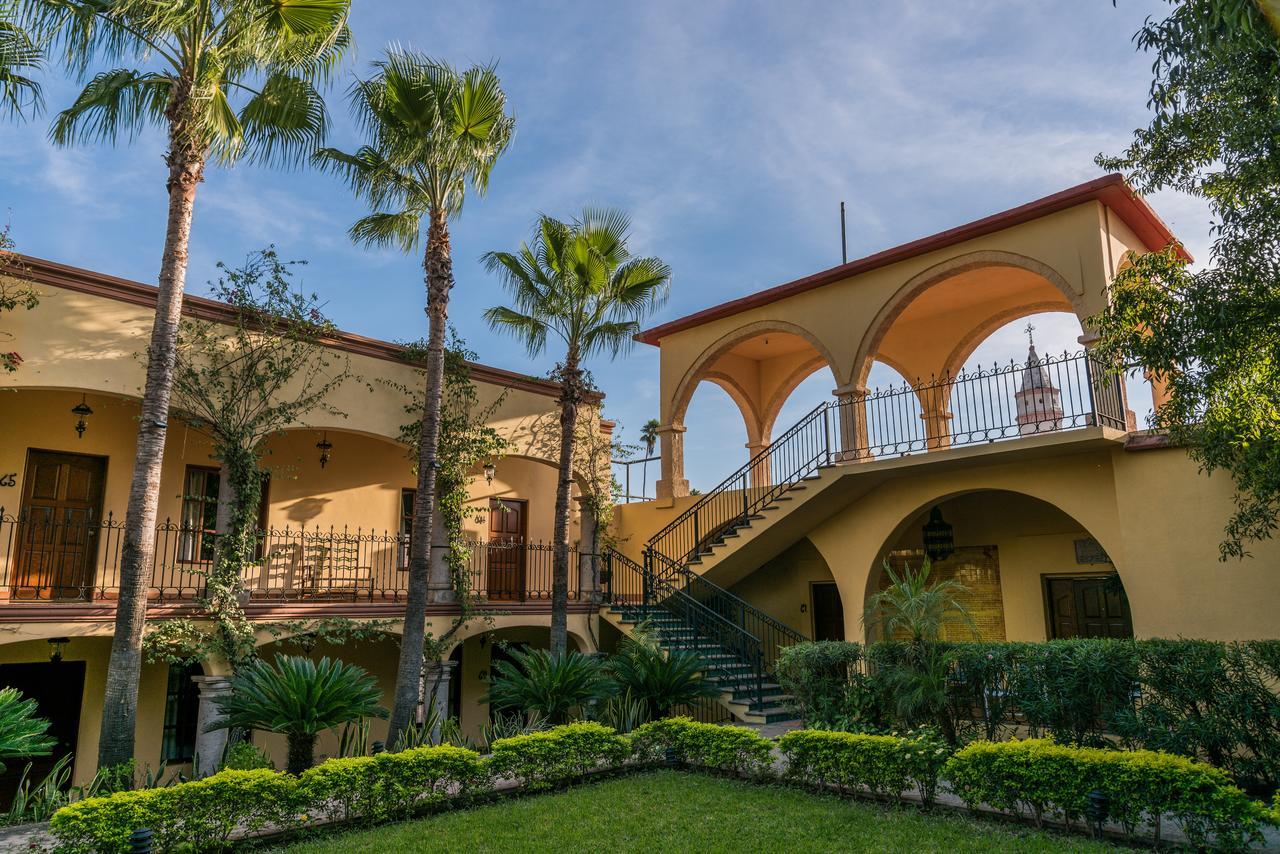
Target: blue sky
729	130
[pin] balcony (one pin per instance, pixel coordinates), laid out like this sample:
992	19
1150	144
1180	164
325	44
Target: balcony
47	560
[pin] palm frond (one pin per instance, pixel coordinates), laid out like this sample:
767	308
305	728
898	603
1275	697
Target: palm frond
286	121
18	53
114	103
402	229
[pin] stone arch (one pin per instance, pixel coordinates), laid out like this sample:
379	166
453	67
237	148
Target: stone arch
923	281
971	342
750	416
698	371
783	394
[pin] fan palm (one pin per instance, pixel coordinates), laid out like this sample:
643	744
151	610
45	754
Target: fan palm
19	54
224	79
300	699
551	684
648	435
21	732
577	283
662	680
433	131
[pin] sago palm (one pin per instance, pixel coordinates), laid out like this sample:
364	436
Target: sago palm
300	699
22	733
579	284
661	680
432	133
19	56
551	684
224	79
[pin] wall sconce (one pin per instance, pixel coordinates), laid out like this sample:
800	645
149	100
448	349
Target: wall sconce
324	446
55	648
939	537
81	411
489	471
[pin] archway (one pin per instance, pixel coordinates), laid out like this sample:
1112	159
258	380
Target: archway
1030	570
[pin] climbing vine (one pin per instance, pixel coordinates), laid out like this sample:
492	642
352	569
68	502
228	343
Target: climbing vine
15	295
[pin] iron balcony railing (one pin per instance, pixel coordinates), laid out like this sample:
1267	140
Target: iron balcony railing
1045	395
49	558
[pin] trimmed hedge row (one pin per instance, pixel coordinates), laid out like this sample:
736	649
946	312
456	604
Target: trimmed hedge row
1042	778
541	759
887	765
737	750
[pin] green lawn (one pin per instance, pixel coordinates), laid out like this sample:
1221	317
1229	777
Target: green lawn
674	811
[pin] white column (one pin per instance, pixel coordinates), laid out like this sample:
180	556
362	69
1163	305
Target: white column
210	746
433	693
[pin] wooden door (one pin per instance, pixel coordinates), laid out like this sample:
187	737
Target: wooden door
828	612
508	529
58	533
1091	607
58	689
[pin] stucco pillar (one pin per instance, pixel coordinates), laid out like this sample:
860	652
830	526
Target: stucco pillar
761	472
1101	391
1160	394
210	746
849	425
433	693
673	483
588	577
439	582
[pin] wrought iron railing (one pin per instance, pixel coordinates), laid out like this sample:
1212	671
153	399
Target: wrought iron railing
1057	393
47	558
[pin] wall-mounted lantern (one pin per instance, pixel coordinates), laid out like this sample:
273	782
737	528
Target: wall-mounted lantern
489	471
55	648
324	446
939	537
81	411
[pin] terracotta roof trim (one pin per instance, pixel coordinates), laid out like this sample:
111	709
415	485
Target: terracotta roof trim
54	274
1110	190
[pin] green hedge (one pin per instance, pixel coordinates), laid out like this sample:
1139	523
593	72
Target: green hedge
1044	779
737	750
540	759
886	765
201	814
1206	700
393	785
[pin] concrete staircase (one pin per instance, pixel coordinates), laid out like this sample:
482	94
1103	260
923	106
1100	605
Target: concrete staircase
749	698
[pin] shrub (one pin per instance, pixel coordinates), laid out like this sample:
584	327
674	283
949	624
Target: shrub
737	750
555	755
201	814
554	685
22	733
660	679
829	686
1048	779
246	756
393	785
887	765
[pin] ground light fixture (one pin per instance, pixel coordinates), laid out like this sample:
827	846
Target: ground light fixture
81	411
325	447
939	536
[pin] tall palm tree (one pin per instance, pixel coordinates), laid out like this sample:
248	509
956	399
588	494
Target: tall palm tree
580	284
648	435
433	131
225	79
19	55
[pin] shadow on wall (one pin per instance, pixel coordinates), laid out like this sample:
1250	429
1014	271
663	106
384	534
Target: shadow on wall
305	509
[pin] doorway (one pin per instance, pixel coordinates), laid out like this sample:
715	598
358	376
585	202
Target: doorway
828	611
58	525
58	689
508	532
1093	606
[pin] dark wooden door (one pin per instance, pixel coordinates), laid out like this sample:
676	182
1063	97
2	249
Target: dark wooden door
828	612
1092	607
58	534
58	689
508	529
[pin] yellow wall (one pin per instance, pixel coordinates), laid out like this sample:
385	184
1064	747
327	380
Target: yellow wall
781	587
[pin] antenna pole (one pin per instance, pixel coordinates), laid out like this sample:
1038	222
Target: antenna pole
844	246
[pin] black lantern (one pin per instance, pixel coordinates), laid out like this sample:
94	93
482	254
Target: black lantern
81	411
939	537
55	648
489	471
324	446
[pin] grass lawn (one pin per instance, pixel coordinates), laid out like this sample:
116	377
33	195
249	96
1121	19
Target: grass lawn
676	811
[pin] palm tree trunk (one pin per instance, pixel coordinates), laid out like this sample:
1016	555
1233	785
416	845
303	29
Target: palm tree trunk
570	383
120	701
438	265
302	753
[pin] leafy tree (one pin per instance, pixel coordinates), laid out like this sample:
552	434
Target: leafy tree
553	684
577	283
299	698
224	80
661	680
21	732
433	131
15	294
19	55
241	384
1211	336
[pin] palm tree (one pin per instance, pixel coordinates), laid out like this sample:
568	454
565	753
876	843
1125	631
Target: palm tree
300	699
551	684
432	132
22	734
225	79
578	283
648	435
19	54
661	680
